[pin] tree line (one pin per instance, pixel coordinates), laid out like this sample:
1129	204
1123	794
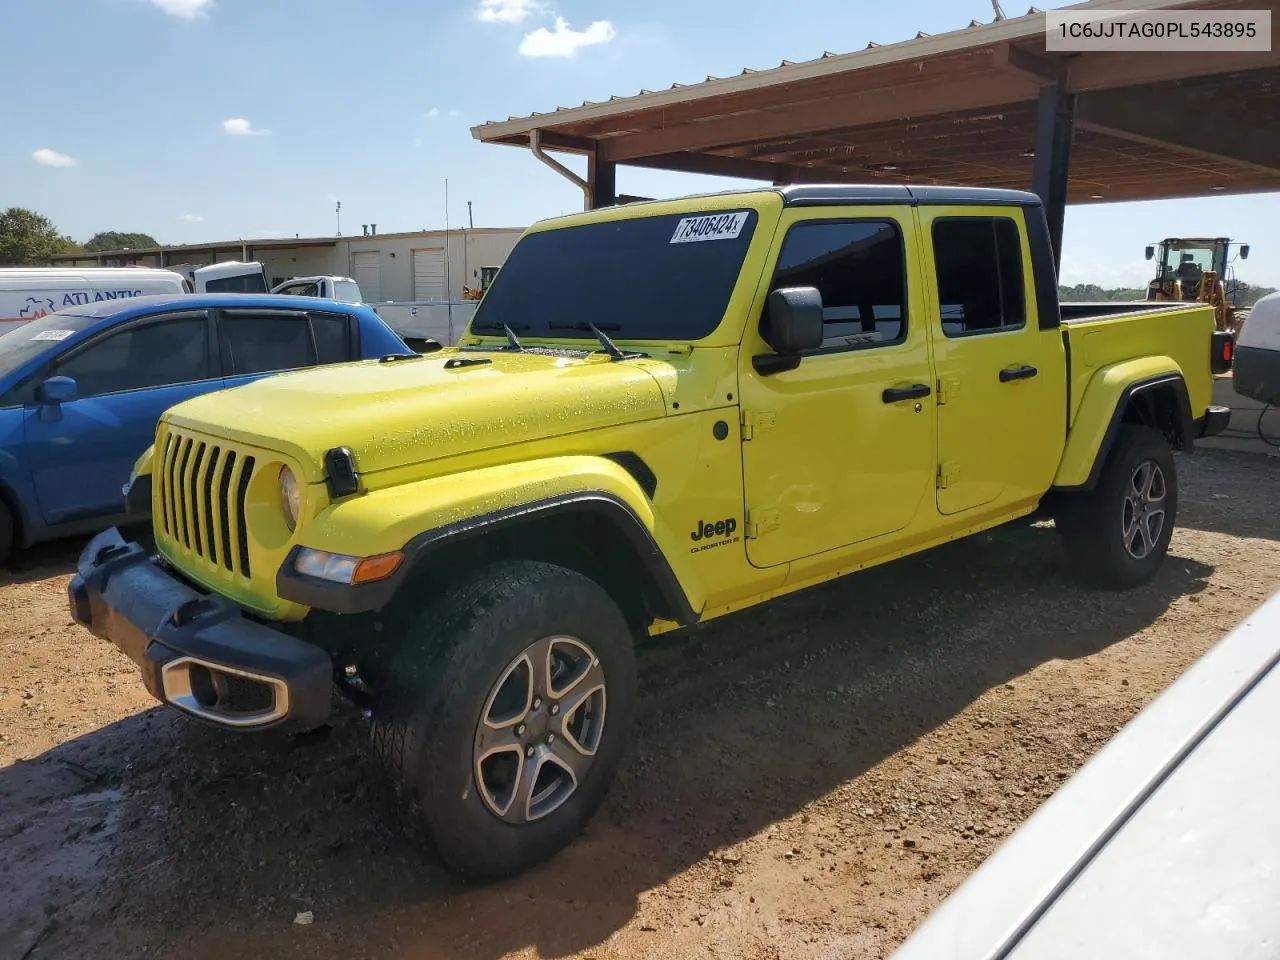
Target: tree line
1238	292
29	239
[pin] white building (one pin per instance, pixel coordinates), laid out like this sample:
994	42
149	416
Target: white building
421	267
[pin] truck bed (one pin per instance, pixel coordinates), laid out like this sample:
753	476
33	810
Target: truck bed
1104	334
1107	309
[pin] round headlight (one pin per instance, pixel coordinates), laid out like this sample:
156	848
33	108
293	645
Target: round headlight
290	496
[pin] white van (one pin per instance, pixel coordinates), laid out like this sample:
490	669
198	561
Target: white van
30	292
228	276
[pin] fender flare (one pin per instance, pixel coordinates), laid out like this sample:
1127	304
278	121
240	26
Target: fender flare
1171	379
664	585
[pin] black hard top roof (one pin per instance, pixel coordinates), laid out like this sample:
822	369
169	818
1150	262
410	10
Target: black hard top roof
822	195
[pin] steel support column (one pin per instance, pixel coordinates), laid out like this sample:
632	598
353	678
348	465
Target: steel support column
602	181
1055	116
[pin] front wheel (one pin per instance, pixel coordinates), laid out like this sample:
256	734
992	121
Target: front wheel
508	710
1118	533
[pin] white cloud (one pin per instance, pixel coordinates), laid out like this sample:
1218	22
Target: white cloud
193	218
433	112
507	11
240	127
564	42
52	158
455	113
186	9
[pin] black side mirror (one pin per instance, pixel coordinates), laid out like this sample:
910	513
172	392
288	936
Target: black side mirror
1151	252
56	390
1244	252
793	324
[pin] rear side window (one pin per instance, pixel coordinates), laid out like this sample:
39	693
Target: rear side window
859	268
311	289
248	283
979	271
266	344
333	337
139	357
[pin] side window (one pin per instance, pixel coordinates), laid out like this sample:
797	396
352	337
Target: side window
333	337
139	357
858	267
979	265
266	344
246	283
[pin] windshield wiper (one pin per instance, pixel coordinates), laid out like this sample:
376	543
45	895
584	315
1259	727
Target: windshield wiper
513	342
610	347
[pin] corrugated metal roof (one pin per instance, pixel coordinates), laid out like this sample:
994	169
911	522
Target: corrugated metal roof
975	35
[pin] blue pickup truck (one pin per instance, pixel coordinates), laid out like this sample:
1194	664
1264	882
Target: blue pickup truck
81	390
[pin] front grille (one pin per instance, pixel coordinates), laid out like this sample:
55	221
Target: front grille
202	491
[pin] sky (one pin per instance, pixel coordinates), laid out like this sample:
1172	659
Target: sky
201	120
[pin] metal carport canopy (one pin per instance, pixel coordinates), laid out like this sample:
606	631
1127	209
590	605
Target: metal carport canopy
984	106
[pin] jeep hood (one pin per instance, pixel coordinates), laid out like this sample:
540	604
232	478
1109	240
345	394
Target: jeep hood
392	414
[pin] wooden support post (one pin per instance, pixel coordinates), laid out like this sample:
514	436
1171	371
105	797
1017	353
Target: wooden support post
602	180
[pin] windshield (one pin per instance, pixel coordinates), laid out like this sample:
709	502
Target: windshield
20	344
652	278
1182	259
348	291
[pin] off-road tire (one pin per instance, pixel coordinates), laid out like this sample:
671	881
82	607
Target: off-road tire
437	684
1093	523
6	532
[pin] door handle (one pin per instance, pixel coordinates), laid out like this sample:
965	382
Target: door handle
913	392
1024	372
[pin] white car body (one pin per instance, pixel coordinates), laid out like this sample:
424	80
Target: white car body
1164	846
327	288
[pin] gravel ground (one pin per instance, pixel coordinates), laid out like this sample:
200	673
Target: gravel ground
807	779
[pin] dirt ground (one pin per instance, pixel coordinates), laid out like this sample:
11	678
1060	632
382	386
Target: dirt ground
807	780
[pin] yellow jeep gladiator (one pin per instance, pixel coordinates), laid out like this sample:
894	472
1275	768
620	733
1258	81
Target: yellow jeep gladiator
660	413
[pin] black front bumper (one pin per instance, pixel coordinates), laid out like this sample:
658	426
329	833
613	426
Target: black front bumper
198	652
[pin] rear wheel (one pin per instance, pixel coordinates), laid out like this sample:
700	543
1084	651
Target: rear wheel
1118	533
507	711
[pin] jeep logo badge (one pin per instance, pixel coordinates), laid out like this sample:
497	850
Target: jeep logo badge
706	530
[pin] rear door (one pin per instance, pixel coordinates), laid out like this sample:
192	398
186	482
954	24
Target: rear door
1000	377
255	343
81	452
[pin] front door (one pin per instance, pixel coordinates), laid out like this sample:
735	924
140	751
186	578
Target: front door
841	448
81	451
1001	383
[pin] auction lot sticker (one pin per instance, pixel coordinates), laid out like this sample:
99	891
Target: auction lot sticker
715	226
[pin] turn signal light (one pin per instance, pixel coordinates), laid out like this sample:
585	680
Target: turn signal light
376	568
340	568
